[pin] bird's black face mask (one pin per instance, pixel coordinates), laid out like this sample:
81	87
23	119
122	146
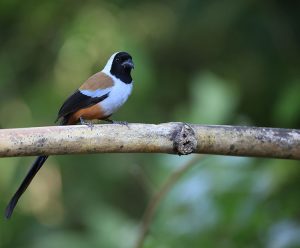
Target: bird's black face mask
121	67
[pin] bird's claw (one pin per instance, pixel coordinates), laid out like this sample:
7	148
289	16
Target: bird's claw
87	123
123	123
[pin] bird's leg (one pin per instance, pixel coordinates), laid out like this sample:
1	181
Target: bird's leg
125	123
85	122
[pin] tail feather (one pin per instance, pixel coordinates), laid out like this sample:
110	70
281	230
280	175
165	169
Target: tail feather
32	172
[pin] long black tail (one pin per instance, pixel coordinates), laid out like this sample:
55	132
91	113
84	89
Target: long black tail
32	172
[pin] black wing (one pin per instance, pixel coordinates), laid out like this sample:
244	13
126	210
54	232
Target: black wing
78	101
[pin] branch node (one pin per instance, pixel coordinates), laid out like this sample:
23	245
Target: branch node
184	140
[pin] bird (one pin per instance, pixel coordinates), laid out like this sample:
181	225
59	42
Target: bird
98	97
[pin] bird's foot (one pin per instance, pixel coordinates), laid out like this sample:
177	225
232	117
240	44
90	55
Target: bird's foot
124	123
87	123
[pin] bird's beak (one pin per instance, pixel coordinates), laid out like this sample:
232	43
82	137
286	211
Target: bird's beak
128	64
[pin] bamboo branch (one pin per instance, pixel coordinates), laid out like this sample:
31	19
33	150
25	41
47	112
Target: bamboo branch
176	138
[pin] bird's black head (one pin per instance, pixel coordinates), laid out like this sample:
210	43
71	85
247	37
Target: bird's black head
121	67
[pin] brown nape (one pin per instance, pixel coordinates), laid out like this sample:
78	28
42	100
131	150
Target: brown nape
98	81
91	113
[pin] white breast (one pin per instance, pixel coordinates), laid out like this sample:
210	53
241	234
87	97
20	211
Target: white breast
117	97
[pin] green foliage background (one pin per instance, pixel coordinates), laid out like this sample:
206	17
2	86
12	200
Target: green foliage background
211	62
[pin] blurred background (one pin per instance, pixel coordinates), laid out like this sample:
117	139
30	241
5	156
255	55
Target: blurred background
209	62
